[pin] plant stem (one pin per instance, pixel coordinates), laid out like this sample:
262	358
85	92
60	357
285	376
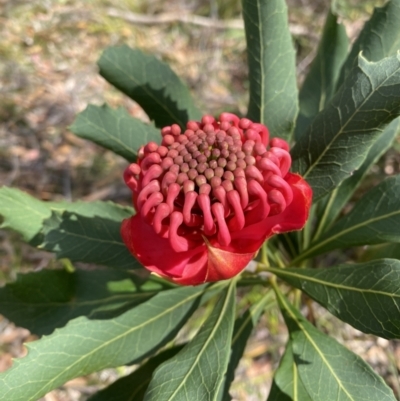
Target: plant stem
264	254
249	281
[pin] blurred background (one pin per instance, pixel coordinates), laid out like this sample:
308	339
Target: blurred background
48	73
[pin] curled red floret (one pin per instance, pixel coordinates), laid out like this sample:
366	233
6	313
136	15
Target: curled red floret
207	198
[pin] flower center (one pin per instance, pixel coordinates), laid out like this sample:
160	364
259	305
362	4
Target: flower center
215	178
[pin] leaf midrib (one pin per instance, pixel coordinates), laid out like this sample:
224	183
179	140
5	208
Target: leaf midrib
110	137
77	304
309	338
148	93
295	383
24	205
283	272
334	237
204	347
114	339
94	239
262	100
357	110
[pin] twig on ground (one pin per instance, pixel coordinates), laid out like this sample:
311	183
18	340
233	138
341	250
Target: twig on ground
169	18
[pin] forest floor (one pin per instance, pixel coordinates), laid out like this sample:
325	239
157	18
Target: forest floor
48	73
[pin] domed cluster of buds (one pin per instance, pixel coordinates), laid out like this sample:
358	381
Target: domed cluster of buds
206	185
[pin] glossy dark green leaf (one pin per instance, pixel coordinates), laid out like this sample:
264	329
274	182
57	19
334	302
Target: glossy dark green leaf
45	300
332	204
374	219
84	346
272	72
320	83
197	372
87	239
379	38
287	384
241	333
327	369
48	299
115	130
366	295
133	386
149	82
339	138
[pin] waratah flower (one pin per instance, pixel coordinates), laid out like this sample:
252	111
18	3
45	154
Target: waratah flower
206	199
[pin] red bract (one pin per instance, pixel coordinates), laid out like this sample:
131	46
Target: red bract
207	199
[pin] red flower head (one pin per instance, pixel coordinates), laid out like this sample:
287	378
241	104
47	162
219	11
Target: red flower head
207	199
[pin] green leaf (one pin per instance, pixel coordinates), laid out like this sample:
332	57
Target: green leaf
196	373
276	394
25	214
133	386
379	38
115	130
241	333
365	295
85	346
319	86
46	300
87	239
332	204
149	82
272	71
328	370
374	219
108	210
287	385
22	212
339	138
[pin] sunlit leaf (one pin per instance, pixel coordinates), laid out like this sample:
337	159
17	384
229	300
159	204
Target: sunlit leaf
45	300
133	386
366	295
320	83
374	219
25	214
22	213
108	210
339	138
242	330
272	72
379	38
196	372
328	370
287	385
84	346
332	204
87	239
115	130
151	83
